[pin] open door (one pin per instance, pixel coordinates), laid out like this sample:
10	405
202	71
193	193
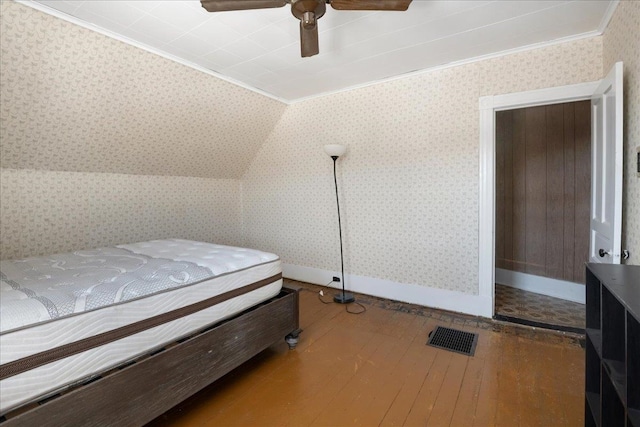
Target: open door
606	169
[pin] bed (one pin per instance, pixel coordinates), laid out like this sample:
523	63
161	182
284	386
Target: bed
118	335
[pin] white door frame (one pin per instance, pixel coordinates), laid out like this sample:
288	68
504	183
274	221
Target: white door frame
486	203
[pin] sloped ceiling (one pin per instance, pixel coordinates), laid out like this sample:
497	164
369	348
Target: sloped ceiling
75	100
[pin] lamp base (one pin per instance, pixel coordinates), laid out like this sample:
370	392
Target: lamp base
344	298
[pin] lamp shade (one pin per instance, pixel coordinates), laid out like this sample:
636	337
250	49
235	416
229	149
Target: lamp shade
336	150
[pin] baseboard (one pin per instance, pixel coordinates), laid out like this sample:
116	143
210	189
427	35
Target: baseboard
542	285
475	305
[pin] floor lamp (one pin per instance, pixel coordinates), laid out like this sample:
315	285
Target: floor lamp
335	151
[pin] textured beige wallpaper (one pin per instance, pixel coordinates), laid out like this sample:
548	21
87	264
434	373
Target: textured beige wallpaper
91	130
622	43
44	212
76	100
409	181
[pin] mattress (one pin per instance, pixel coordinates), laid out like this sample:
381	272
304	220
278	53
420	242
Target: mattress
59	301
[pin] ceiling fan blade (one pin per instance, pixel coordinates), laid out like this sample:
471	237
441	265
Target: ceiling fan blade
309	40
399	5
225	5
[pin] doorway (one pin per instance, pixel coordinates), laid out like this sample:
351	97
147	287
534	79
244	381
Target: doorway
542	202
606	97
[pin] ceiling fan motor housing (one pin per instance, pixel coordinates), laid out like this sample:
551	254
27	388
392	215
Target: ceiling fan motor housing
308	11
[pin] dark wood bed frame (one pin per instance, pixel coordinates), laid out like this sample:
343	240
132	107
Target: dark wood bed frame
141	391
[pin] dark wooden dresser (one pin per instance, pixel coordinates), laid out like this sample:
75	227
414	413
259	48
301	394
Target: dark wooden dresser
612	368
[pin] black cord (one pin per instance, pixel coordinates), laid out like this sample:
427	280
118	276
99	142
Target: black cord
362	307
322	291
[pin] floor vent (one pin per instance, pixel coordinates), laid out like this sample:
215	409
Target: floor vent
453	340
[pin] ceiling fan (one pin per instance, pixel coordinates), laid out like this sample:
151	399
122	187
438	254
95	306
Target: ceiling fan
307	11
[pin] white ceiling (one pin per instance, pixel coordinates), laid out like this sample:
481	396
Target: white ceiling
260	48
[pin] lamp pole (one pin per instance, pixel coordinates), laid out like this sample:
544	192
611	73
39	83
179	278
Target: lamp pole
344	297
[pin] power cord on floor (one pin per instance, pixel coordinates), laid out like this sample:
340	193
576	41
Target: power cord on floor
321	294
362	308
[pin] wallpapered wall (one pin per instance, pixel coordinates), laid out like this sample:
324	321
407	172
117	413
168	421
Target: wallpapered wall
622	43
43	212
409	181
76	100
73	100
81	113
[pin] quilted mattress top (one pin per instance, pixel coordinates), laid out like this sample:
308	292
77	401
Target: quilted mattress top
39	289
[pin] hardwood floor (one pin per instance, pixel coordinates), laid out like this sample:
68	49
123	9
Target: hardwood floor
376	369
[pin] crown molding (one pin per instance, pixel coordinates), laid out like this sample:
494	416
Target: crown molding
595	33
604	23
500	54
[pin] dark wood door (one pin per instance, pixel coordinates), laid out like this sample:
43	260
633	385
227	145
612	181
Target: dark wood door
543	182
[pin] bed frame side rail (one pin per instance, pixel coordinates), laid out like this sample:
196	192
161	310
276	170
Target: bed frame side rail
144	390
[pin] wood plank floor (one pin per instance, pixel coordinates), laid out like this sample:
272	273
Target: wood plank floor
375	369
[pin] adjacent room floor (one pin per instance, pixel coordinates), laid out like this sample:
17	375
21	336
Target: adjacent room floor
376	369
539	310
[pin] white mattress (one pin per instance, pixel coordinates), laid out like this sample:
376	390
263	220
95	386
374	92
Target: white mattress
231	268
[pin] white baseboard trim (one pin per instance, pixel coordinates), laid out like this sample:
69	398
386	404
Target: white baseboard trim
475	305
542	285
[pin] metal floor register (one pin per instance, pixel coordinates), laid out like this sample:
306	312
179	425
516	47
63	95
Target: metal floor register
453	340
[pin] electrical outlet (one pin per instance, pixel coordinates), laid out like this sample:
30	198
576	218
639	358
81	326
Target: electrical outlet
336	279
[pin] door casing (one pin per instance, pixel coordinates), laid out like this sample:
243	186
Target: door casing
486	203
